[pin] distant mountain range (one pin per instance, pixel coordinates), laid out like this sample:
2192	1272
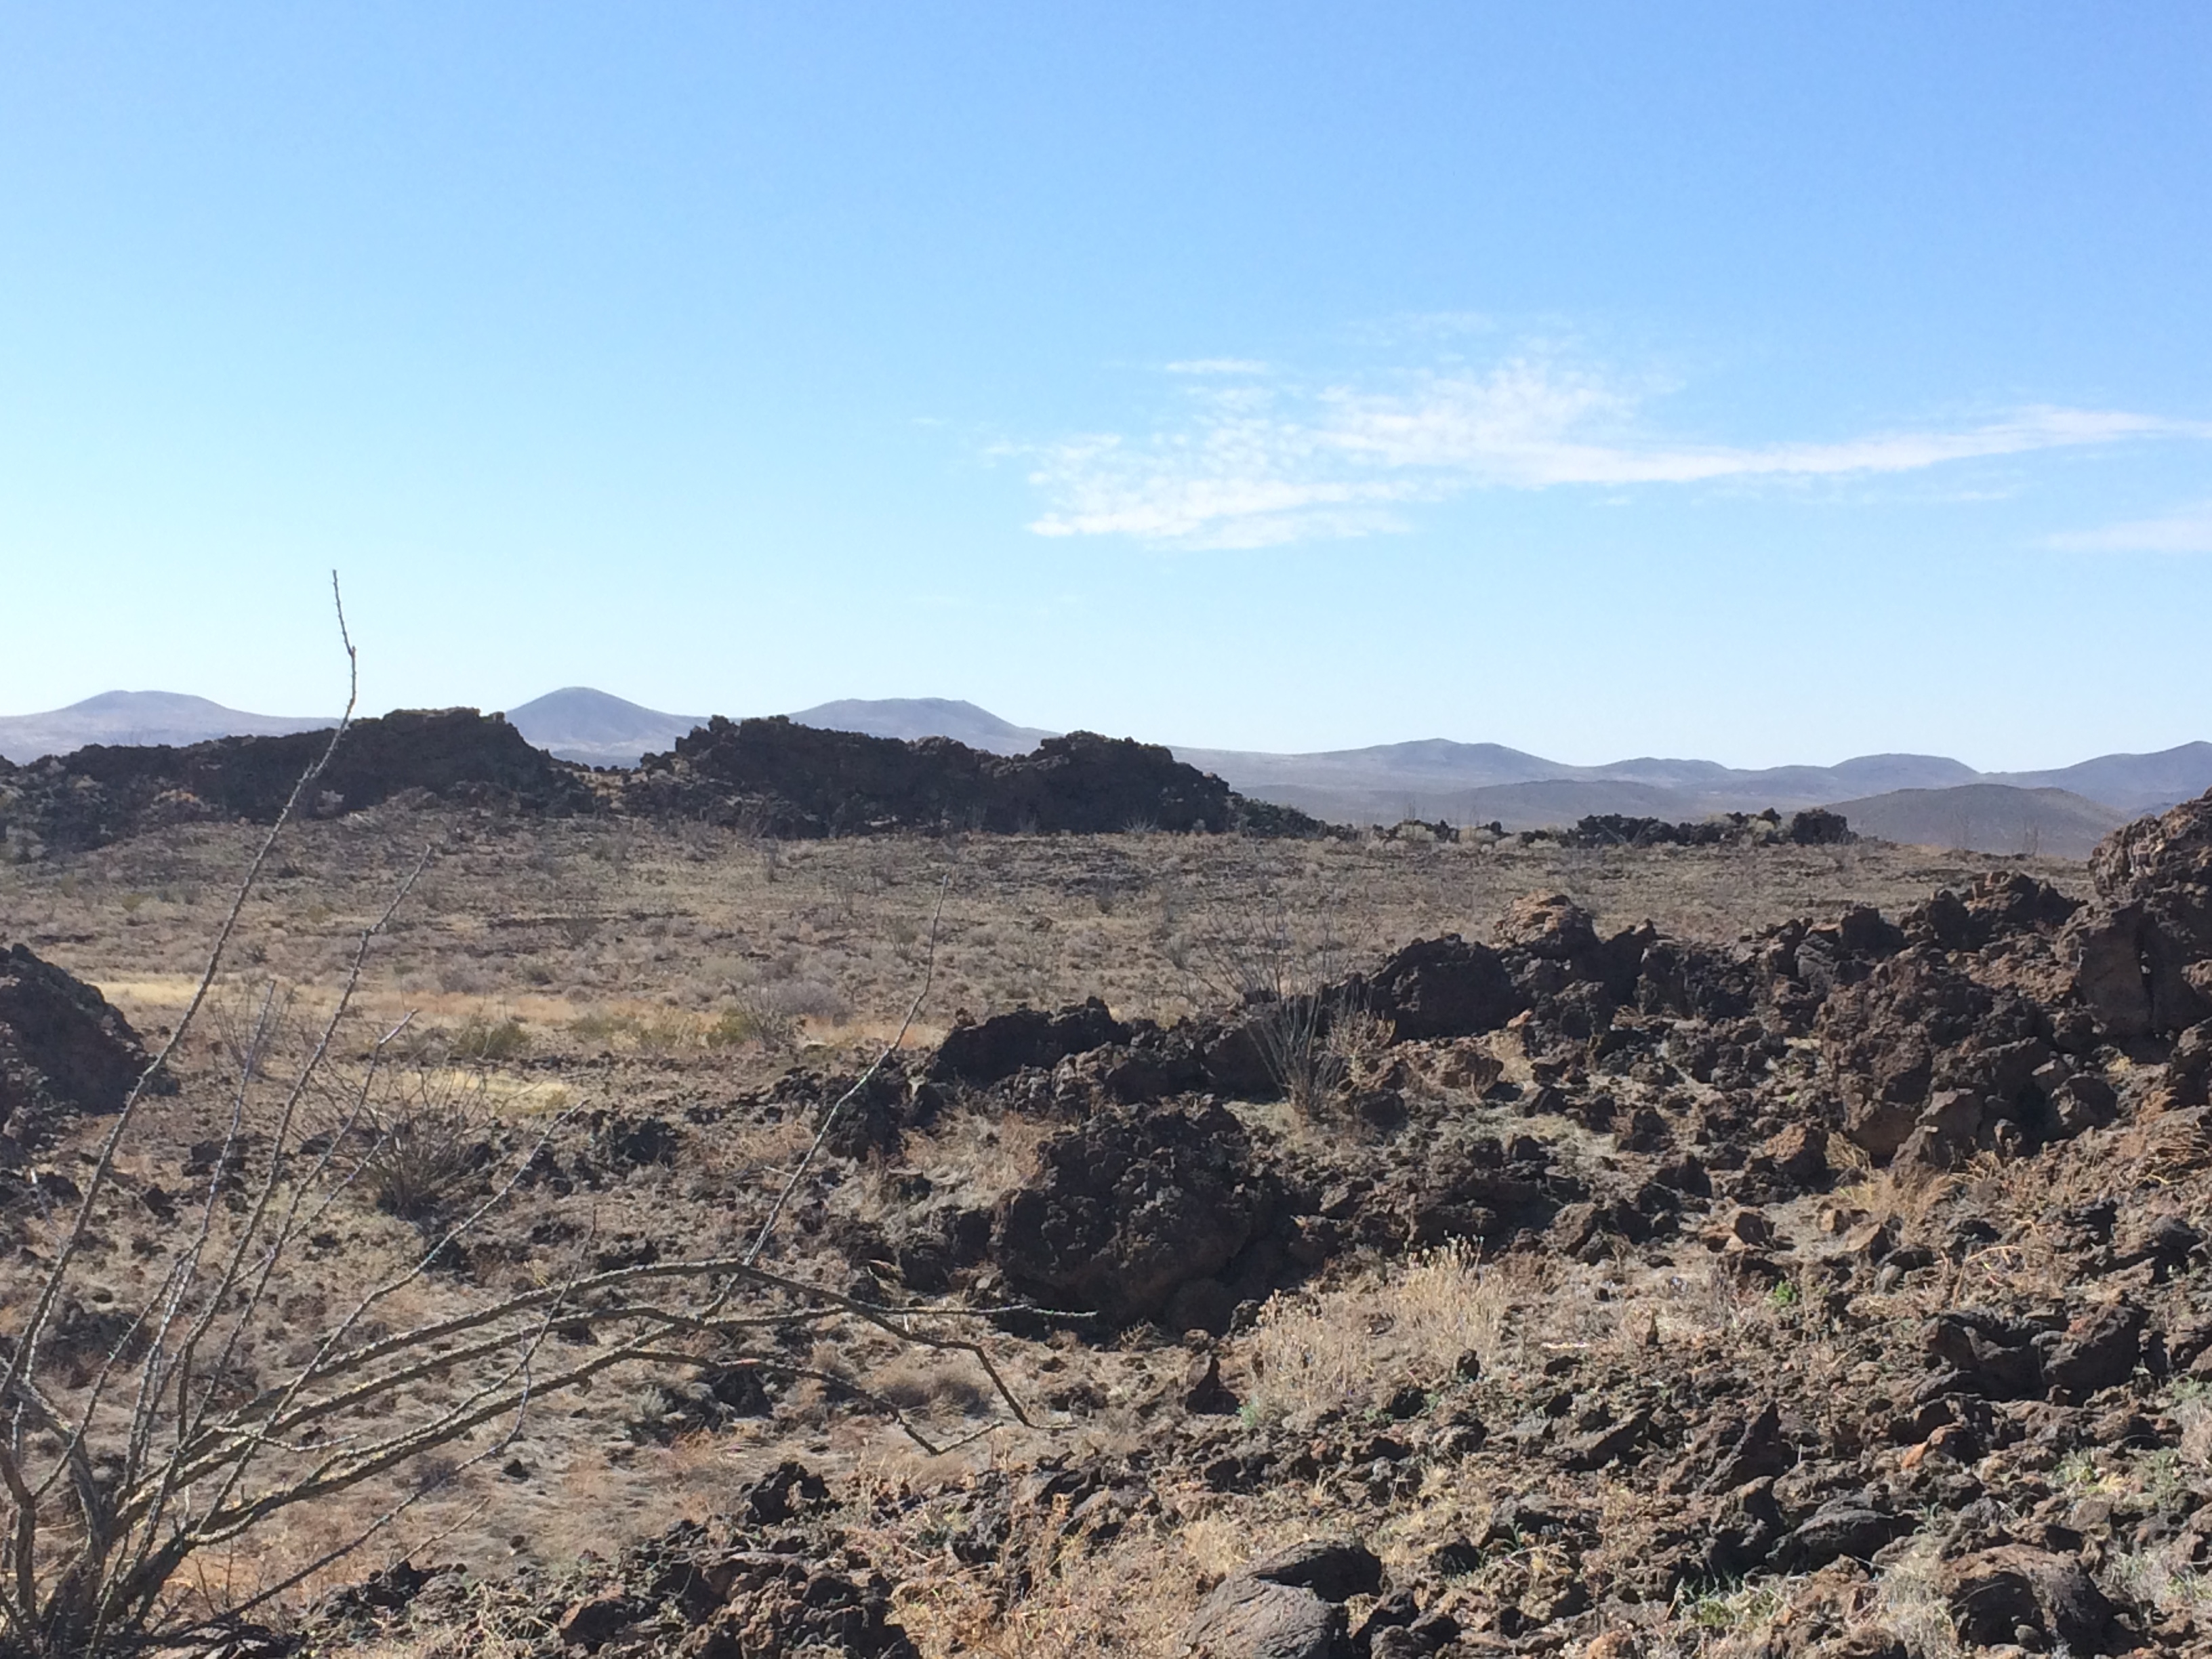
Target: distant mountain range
908	718
1922	799
137	717
1989	817
596	729
578	723
1478	783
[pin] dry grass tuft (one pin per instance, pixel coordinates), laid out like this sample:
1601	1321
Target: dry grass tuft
1309	1352
988	1152
928	1387
1087	1597
1909	1592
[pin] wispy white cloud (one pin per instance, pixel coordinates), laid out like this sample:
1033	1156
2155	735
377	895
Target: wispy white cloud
1272	461
1217	365
2188	531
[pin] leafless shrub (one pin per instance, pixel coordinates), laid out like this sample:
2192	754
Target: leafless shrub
844	889
1291	989
800	999
754	1019
755	829
1292	1032
1358	1037
427	1135
137	1442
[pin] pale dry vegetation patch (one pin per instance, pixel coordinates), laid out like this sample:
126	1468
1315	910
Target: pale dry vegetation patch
1122	1605
1419	1319
986	1152
2161	1576
1910	1596
1315	1351
2161	1573
1086	1596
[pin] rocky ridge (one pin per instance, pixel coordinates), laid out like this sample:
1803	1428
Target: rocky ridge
786	778
101	793
771	776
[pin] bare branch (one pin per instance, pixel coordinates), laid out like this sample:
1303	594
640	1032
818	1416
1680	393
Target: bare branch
829	1117
103	1168
193	1455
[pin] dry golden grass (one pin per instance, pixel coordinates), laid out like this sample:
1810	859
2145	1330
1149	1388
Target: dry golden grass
987	1152
1911	1601
1312	1352
560	922
1133	1599
1128	1595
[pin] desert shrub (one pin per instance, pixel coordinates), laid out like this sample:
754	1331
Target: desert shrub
923	1388
1293	1033
602	1028
425	1139
803	999
657	1034
483	1039
751	1019
1291	990
664	1032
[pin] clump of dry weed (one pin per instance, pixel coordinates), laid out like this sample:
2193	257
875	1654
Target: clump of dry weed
1312	1352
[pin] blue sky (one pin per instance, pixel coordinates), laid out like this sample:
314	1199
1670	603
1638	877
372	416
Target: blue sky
1763	383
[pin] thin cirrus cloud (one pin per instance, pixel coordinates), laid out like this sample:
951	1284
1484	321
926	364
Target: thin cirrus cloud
2188	531
1262	463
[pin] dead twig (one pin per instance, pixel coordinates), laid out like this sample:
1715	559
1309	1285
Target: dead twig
829	1117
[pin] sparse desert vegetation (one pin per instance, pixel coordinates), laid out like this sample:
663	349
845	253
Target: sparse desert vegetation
1566	1012
1670	1264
